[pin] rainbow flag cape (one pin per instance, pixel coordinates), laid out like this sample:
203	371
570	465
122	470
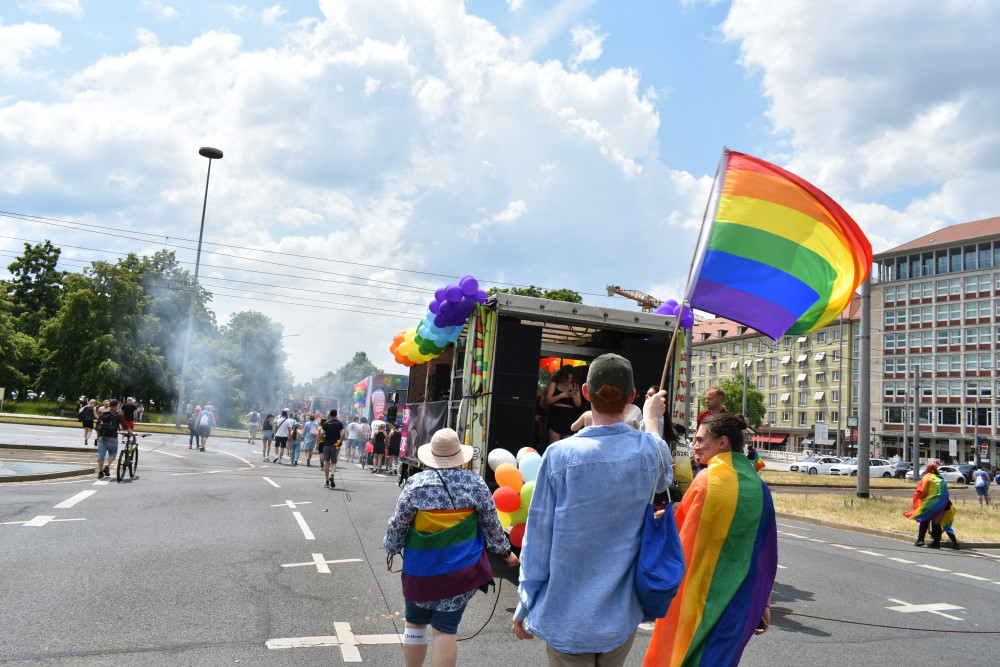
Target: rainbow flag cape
730	540
929	498
758	462
780	256
444	555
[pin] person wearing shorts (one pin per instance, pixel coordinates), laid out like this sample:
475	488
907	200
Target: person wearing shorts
282	429
253	423
107	445
128	411
205	424
88	413
267	435
310	432
353	438
333	431
981	482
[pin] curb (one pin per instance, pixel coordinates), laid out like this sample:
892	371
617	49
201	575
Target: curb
49	448
892	535
46	475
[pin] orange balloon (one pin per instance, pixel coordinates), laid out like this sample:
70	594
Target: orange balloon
507	474
517	535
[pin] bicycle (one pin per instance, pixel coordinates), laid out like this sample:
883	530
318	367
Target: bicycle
128	458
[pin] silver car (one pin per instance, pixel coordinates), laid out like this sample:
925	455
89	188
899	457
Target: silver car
815	465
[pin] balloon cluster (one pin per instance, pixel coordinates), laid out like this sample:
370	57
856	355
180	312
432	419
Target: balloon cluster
516	477
553	364
441	325
671	307
358	398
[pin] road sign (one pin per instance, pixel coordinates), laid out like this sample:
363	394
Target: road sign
852	422
822	434
984	447
952	447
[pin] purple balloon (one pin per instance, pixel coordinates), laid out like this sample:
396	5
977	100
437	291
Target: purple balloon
687	319
454	293
434	306
439	321
448	310
481	296
466	304
469	286
439	294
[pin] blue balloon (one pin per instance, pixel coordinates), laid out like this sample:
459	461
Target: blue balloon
529	466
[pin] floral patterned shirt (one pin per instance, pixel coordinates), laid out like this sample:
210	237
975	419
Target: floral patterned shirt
425	491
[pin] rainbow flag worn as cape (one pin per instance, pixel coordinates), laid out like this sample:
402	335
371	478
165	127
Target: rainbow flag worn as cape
758	462
781	256
730	540
444	555
929	498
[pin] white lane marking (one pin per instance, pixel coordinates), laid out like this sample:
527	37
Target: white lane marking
843	546
160	451
271	482
903	560
970	576
933	608
291	504
219	451
813	539
869	553
207	472
69	502
322	565
647	627
38	521
788	525
303	525
37	430
782	567
101	483
344	638
936	569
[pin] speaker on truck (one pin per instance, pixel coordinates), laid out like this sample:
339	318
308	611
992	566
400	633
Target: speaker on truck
512	426
515	366
646	357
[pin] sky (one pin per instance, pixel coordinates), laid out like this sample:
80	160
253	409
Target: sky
376	151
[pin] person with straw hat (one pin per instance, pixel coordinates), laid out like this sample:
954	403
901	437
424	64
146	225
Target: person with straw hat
446	519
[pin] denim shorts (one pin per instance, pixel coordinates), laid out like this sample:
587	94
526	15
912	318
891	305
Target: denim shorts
442	621
107	446
982	490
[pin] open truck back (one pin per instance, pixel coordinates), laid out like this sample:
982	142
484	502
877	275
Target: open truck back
494	373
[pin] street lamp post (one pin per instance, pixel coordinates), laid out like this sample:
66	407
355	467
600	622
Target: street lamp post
211	154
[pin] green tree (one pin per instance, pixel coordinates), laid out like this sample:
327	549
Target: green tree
14	347
248	366
734	399
339	384
562	294
36	286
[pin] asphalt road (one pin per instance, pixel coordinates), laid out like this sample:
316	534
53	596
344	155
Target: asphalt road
206	559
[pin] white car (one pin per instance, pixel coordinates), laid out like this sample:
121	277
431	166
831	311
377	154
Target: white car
815	465
876	468
950	474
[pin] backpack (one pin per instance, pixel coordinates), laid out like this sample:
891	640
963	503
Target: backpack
107	425
352	431
205	419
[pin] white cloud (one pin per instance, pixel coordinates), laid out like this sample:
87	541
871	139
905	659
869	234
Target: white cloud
71	7
371	86
159	9
240	12
588	45
512	212
271	15
873	99
146	37
515	5
22	42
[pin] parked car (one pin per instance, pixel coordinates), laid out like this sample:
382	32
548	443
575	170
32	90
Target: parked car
815	465
900	468
950	473
876	467
968	468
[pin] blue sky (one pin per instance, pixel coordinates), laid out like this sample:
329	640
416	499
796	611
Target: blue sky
376	150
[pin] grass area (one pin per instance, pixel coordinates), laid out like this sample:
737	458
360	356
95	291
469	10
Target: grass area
778	477
972	522
141	428
38	407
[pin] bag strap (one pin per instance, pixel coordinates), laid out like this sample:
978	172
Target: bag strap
659	467
447	490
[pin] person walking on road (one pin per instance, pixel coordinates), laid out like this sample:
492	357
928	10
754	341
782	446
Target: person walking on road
295	443
266	436
310	432
88	414
253	423
364	434
981	482
205	424
193	427
378	447
578	559
446	519
333	431
728	531
282	429
108	425
353	439
129	410
932	508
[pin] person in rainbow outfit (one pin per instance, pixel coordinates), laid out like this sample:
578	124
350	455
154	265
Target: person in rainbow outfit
932	508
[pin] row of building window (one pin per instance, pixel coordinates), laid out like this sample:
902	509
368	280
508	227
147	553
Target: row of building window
803	419
941	288
941	337
941	363
944	416
765	347
940	388
939	262
941	313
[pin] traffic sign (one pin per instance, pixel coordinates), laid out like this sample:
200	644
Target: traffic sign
852	422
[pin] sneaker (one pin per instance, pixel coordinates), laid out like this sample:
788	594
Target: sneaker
333	484
265	459
275	460
100	473
326	483
106	473
919	543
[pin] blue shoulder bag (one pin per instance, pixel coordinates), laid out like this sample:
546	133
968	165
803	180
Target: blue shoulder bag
659	567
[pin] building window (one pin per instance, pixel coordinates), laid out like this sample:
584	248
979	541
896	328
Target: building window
893	415
773	363
835	396
786	416
803	419
820	417
947	416
835	417
821	377
772	382
803	399
772	400
836	355
821	337
835	375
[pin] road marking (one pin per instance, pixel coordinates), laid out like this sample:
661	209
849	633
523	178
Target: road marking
869	553
813	539
219	451
305	527
344	638
160	451
936	569
37	430
801	537
271	482
208	472
843	546
291	504
83	495
970	576
101	483
38	521
323	566
787	525
933	608
903	560
782	567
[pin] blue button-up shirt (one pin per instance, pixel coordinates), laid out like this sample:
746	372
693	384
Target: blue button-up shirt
577	589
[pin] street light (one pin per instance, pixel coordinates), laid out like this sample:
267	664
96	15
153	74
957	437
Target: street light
211	154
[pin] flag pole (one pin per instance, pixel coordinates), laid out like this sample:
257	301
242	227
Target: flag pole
696	258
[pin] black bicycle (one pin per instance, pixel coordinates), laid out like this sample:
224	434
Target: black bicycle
128	458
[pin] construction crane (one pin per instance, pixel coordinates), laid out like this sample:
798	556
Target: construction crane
647	302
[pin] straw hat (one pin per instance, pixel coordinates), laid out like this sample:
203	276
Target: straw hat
444	450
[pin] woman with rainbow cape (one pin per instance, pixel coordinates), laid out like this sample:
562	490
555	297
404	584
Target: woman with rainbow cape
932	508
729	536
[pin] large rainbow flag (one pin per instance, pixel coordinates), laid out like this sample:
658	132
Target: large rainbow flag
730	540
780	256
444	556
929	498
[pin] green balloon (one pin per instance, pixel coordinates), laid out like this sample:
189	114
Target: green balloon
520	516
526	491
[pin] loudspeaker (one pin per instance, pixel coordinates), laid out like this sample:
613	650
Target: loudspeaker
646	357
512	426
518	350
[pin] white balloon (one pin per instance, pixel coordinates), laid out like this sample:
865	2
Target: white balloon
524	450
499	456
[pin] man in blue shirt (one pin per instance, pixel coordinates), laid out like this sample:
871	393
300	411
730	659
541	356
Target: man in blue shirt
577	589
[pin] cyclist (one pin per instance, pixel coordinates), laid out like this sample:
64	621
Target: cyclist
107	436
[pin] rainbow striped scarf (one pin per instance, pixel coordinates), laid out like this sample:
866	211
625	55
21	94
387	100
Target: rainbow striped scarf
444	555
728	532
930	497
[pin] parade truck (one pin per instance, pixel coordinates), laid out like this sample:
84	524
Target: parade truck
379	396
492	391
